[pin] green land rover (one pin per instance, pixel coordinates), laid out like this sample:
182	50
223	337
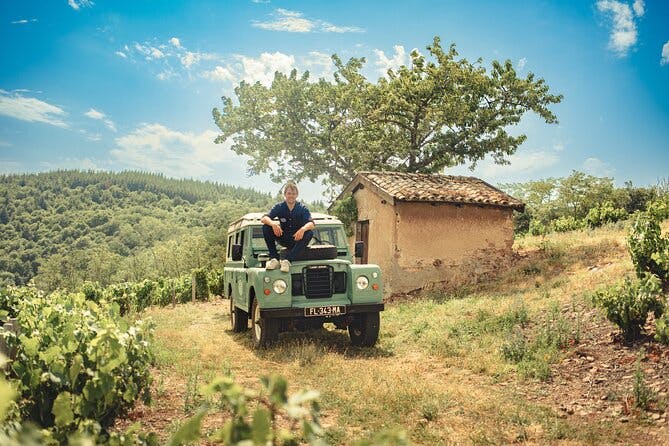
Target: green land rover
323	286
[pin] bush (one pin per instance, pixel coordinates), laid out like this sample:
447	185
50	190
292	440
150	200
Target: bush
92	291
216	281
568	223
648	249
662	328
346	210
201	286
604	213
537	228
627	304
78	364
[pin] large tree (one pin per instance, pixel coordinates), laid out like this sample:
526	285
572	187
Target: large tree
440	111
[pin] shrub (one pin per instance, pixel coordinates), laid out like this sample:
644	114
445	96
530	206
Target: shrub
566	223
604	213
648	249
537	228
92	291
216	281
201	286
78	365
662	328
627	304
346	210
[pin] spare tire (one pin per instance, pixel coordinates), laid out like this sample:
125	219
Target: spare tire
320	252
314	252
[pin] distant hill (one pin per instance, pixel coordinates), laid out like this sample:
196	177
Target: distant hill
64	227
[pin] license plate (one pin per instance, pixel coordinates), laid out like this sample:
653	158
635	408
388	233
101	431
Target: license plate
330	310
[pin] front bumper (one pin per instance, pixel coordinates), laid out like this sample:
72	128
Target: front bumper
299	311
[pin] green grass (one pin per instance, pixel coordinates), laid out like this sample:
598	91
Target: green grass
437	368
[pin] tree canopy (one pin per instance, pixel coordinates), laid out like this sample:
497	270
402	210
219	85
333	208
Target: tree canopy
440	111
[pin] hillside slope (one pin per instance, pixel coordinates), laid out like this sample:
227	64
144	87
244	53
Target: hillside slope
63	227
442	370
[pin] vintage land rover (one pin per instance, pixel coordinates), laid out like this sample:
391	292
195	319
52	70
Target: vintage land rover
323	286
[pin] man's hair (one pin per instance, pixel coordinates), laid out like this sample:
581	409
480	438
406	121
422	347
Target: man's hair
291	185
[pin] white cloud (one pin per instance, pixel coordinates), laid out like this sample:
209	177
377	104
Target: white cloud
597	167
176	42
76	4
319	65
262	69
9	166
31	109
385	63
190	59
157	148
121	54
100	116
71	163
5	144
330	28
665	54
149	52
624	32
23	21
521	63
521	165
295	22
166	74
220	74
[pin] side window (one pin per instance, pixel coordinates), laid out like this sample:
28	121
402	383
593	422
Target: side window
229	246
241	238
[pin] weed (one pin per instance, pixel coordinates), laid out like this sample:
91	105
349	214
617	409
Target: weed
537	367
515	348
429	410
556	331
553	251
192	397
643	395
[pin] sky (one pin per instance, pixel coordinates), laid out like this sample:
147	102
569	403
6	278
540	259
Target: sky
118	85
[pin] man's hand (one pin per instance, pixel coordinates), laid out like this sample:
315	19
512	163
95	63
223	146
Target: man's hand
276	227
299	234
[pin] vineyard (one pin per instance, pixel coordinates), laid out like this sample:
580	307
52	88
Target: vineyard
154	362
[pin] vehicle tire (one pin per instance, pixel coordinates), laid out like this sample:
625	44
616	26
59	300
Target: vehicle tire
363	329
265	330
314	252
320	252
239	319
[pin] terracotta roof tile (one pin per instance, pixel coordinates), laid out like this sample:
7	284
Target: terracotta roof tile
440	188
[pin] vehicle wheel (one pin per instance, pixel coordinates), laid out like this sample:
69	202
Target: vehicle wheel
364	329
265	330
320	252
239	319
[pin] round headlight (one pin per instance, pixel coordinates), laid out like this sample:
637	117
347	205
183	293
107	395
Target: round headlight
375	274
279	286
266	279
362	282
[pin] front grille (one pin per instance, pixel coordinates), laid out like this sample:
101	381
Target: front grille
317	281
338	283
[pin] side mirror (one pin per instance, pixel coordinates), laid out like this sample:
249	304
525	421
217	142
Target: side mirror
236	253
359	248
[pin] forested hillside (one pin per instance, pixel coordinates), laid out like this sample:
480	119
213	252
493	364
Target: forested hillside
64	227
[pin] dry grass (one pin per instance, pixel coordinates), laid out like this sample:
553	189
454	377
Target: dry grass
437	371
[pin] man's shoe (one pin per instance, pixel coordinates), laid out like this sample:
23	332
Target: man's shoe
285	266
272	264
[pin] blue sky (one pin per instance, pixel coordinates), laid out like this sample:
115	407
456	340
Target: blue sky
131	84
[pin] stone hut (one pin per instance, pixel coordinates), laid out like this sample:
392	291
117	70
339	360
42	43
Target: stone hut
427	230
